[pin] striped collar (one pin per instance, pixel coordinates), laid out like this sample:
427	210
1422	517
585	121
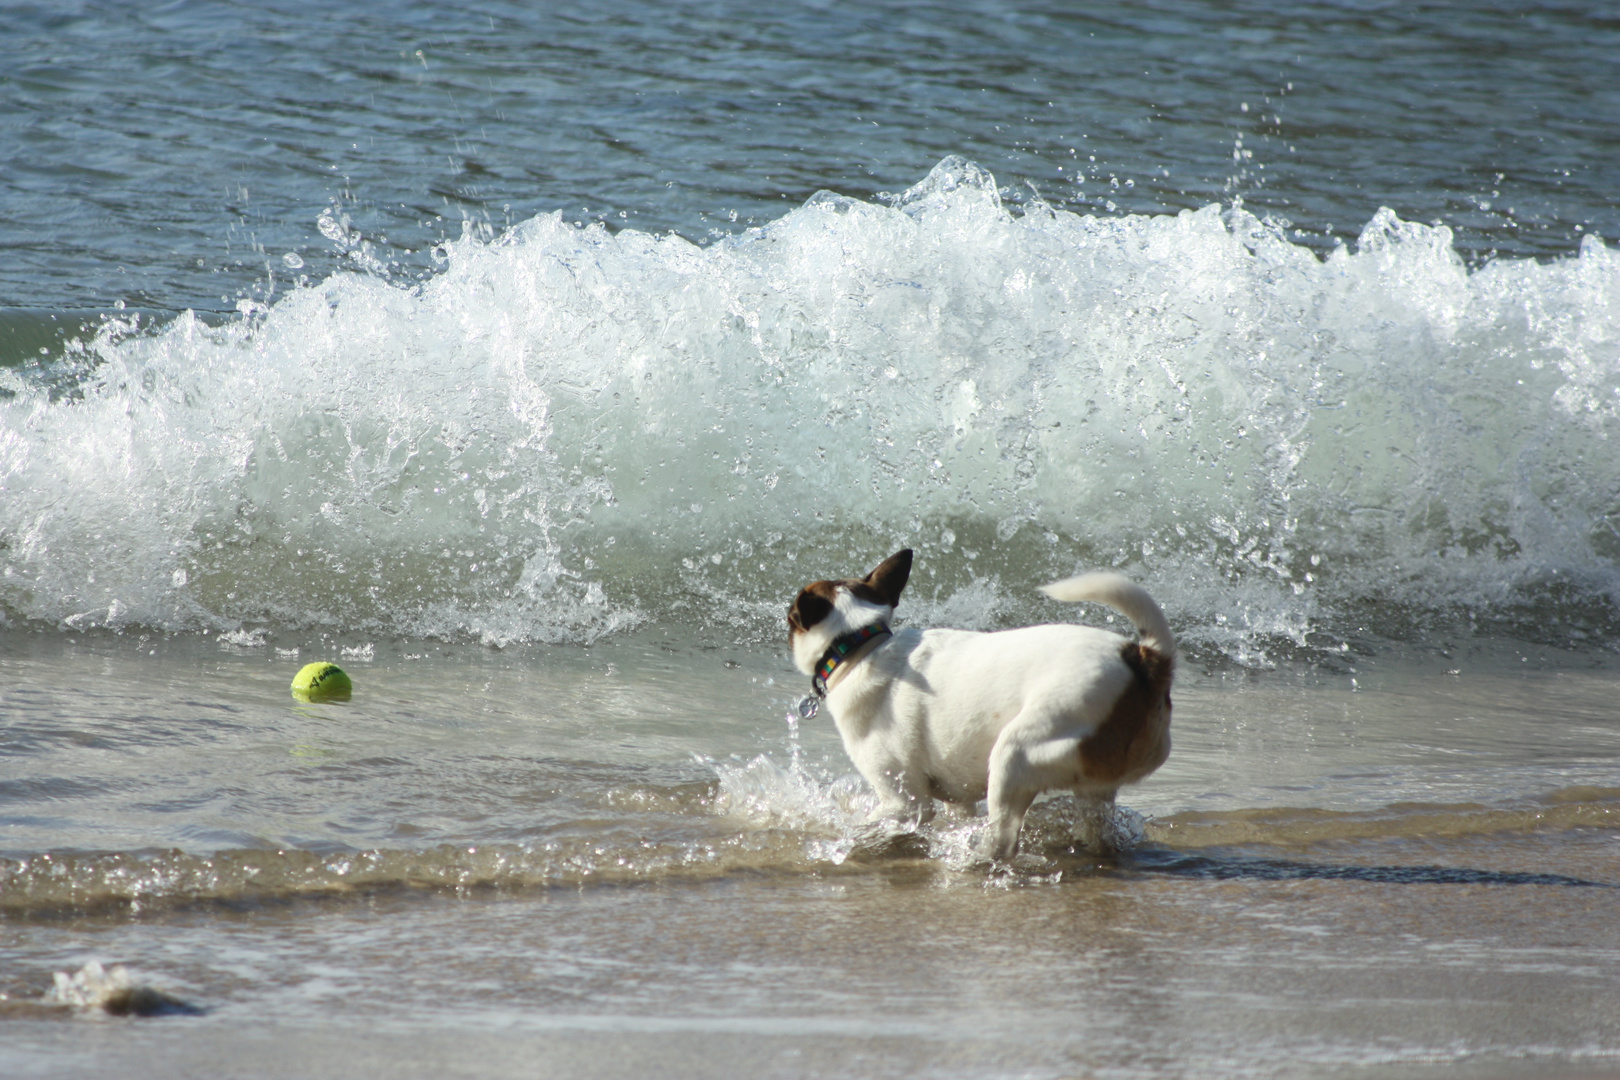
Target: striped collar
838	654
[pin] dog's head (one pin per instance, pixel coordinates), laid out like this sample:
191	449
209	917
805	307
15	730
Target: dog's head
826	610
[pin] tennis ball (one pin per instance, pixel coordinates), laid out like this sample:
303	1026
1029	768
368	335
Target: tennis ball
321	681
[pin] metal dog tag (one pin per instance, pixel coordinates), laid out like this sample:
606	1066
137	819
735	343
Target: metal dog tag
808	708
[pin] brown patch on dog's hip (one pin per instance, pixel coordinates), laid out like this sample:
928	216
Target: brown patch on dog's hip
1134	739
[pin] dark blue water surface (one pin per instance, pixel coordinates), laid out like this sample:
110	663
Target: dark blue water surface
175	156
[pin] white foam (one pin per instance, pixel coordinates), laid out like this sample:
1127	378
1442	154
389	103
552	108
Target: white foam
89	986
113	989
569	430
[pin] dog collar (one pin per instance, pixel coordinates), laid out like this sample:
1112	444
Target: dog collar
838	653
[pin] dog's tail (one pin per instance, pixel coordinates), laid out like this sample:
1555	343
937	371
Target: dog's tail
1124	596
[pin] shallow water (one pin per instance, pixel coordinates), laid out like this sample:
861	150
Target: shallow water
525	362
487	859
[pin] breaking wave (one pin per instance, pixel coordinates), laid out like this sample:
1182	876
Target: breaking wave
566	431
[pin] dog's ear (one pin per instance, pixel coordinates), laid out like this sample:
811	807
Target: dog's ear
891	576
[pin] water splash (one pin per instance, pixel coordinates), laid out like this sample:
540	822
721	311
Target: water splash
836	814
112	990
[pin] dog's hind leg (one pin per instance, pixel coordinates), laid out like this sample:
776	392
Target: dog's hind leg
1022	765
1097	831
1009	802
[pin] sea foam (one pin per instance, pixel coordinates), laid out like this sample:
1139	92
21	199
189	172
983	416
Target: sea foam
567	430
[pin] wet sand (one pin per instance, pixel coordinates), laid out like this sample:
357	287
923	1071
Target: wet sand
893	970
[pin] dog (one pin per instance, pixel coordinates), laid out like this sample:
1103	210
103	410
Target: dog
960	716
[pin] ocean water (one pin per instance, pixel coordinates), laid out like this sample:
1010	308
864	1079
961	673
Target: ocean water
526	362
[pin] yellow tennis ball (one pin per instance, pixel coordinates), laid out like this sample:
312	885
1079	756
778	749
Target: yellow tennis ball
322	681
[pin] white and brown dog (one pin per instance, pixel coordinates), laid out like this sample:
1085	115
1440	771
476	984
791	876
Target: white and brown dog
963	716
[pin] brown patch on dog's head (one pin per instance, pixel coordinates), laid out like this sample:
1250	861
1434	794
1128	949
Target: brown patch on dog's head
882	586
814	603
